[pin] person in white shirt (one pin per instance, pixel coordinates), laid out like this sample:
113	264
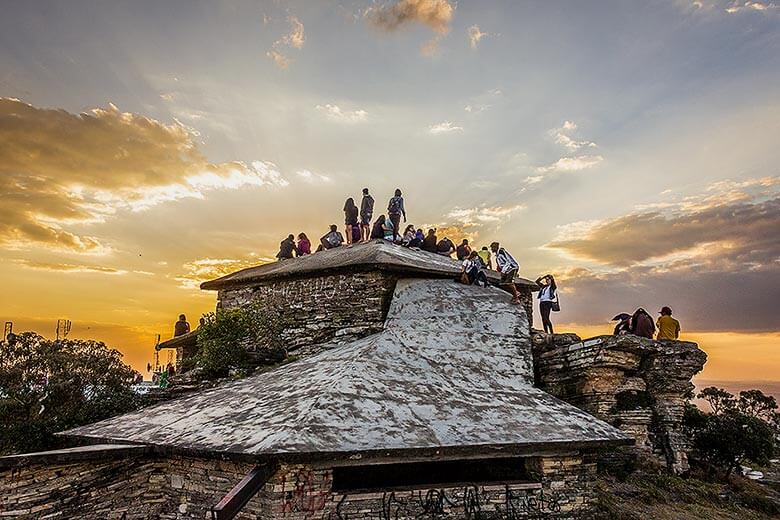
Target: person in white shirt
548	297
474	270
508	267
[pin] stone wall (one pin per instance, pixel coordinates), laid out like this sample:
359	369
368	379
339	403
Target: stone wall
130	488
636	384
562	487
332	307
178	488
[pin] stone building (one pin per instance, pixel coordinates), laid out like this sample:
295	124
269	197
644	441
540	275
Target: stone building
425	406
320	291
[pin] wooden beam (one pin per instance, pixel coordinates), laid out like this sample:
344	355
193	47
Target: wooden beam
235	500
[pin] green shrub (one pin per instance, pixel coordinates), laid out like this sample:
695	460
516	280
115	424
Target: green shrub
227	337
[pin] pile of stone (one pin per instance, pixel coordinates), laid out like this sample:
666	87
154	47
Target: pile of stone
636	384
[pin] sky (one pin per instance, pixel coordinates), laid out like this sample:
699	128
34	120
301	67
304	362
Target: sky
629	148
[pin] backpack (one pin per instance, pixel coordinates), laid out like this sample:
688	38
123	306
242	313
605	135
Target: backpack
395	206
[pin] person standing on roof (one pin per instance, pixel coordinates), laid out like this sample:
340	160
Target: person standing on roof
484	255
548	297
286	248
350	218
182	327
463	250
366	214
508	267
395	209
668	327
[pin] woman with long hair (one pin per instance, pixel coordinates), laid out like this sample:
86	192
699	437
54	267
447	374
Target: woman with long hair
350	218
408	235
304	245
378	229
548	298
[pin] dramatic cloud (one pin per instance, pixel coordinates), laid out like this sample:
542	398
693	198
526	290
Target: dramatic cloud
204	269
572	164
475	36
483	214
294	39
445	127
436	14
71	268
281	61
563	137
737	6
59	169
723	229
312	177
716	255
335	113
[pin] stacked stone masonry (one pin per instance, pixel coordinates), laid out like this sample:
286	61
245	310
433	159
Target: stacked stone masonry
335	307
636	384
178	488
338	307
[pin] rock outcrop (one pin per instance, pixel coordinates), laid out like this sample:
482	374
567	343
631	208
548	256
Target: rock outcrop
636	384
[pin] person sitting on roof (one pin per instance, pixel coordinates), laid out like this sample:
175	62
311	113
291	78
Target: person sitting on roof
181	327
624	324
418	239
445	247
668	327
642	324
287	248
474	270
484	255
332	239
430	241
463	251
304	245
388	230
408	235
508	267
377	230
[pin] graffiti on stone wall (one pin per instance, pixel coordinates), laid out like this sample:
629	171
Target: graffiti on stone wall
327	287
307	495
473	502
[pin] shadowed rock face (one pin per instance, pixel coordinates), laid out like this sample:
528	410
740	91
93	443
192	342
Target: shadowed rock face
637	384
452	368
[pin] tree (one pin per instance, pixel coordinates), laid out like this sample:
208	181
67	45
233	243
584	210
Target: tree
240	337
48	386
737	430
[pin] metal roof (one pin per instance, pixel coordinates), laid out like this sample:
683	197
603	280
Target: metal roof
379	254
452	368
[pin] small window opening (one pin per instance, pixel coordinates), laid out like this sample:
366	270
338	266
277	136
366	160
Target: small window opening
430	474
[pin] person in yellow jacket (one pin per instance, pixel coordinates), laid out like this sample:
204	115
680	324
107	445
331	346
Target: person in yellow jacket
668	327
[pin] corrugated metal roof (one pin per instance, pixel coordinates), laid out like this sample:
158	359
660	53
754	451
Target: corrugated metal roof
452	368
376	253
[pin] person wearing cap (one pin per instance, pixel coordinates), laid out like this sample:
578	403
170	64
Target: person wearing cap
668	327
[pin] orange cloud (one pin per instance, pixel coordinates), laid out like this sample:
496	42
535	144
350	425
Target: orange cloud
435	14
58	169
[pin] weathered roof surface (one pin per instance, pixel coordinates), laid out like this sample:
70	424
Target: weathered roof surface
452	368
376	253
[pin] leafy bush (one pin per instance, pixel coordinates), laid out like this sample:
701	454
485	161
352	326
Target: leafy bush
736	431
228	336
48	386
